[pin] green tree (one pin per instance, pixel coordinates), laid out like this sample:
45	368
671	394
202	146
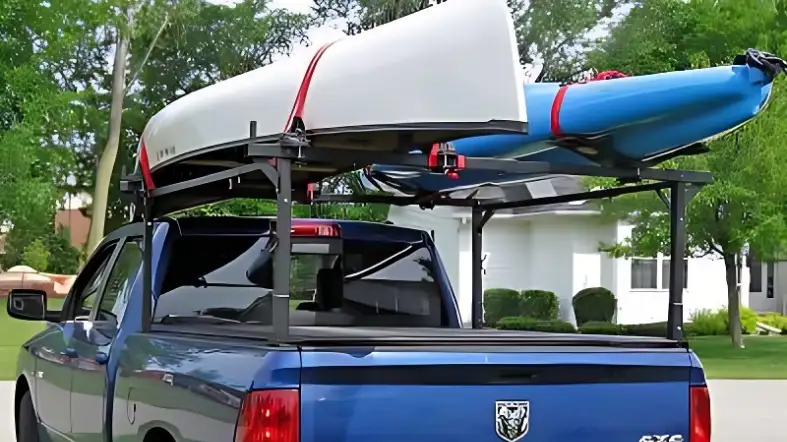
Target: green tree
553	33
202	43
746	206
44	50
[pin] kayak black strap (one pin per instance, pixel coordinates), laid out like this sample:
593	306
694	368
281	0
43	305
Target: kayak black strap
765	61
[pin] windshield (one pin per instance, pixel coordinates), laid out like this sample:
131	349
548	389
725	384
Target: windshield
372	283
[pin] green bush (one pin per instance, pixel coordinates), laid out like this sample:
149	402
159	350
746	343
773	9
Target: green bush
532	324
601	328
36	255
748	320
707	322
595	304
499	303
654	329
64	258
774	320
539	304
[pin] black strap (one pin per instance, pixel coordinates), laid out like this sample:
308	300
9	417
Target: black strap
765	61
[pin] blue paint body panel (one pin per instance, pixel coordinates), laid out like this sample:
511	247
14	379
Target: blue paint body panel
627	120
588	412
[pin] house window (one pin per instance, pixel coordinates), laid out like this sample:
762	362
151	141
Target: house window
755	275
769	280
654	274
665	273
644	273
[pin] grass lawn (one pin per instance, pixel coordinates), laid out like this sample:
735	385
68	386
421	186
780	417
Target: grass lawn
765	357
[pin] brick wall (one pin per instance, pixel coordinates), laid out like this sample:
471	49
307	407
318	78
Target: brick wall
76	222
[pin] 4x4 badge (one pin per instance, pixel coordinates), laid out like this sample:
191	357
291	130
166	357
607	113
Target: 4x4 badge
512	419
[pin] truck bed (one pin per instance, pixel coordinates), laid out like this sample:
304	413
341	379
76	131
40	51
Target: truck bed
386	384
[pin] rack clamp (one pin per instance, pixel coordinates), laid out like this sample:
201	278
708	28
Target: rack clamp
444	159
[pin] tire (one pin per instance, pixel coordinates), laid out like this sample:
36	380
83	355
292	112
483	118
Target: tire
27	423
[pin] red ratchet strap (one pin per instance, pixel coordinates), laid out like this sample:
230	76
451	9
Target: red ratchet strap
296	114
443	157
557	103
303	91
144	166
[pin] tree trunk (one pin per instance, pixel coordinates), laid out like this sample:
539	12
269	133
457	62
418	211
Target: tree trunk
733	299
107	161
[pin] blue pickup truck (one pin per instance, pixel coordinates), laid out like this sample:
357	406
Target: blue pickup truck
377	353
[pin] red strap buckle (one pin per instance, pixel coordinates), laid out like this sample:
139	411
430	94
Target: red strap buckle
310	190
444	159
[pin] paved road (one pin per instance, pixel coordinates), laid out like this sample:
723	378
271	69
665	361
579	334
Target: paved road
743	411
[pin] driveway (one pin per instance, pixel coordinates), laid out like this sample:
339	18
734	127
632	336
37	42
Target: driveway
7	411
750	411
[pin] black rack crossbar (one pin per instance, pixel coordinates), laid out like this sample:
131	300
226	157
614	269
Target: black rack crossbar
358	159
295	149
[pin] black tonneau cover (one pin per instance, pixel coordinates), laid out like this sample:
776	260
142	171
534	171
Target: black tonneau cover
416	337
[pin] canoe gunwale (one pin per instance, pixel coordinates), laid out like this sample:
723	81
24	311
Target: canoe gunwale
420	135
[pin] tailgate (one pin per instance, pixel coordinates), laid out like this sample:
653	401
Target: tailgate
534	394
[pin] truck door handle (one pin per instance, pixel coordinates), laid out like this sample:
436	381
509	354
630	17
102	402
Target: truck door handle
69	353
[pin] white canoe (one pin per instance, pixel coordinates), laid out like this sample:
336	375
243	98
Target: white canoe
447	72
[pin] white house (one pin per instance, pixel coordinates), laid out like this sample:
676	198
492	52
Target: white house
556	248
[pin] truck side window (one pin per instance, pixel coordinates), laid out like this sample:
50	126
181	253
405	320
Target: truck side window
95	271
120	282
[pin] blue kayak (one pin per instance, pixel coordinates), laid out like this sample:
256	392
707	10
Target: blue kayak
620	122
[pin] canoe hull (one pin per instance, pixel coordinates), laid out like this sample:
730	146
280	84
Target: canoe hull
411	76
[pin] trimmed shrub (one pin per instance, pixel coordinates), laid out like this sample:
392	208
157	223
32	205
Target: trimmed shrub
499	303
655	330
532	324
707	322
595	304
539	304
601	328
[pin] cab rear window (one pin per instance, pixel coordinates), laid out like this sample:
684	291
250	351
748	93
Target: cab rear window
370	283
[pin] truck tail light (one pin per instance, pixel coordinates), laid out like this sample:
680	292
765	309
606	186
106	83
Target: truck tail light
700	414
316	229
269	416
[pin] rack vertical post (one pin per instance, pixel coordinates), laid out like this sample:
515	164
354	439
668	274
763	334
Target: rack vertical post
282	254
477	226
679	194
147	265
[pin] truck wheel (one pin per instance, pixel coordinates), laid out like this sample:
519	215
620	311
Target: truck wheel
27	424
